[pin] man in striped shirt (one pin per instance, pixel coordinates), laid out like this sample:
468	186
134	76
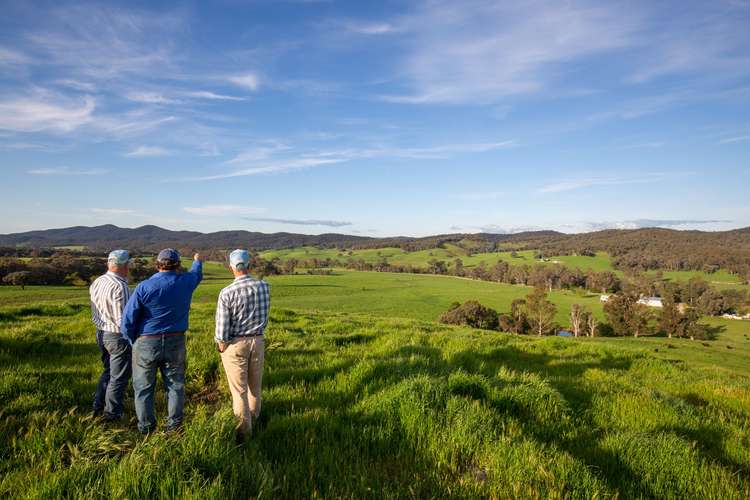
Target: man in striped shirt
109	294
241	318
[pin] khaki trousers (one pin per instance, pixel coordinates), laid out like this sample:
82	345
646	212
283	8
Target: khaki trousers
243	364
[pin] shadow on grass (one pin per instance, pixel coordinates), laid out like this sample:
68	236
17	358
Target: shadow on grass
22	313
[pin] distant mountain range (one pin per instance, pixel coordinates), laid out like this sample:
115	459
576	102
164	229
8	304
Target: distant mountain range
149	238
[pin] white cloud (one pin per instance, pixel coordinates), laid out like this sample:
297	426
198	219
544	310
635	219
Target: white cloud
274	157
76	85
150	98
106	42
275	167
11	57
113	211
369	28
66	171
483	50
301	222
739	138
248	80
44	111
203	94
646	223
223	210
146	151
580	183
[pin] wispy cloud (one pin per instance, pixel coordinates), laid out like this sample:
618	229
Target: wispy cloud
106	42
67	171
248	80
271	168
204	94
647	223
731	140
301	222
482	50
113	211
12	57
580	183
369	28
146	151
44	111
272	157
150	98
223	210
496	229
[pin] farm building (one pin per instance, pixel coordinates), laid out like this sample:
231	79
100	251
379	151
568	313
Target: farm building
651	301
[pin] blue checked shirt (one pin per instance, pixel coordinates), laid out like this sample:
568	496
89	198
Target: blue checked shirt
242	309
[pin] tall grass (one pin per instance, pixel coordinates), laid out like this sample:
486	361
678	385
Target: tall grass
360	406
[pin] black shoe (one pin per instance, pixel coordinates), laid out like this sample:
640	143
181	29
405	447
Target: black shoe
174	429
239	437
109	418
97	413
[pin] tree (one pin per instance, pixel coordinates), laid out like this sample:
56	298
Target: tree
670	317
638	319
578	317
591	324
437	267
516	321
18	278
540	312
618	309
458	267
472	314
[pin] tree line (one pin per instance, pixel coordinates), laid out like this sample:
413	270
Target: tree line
625	316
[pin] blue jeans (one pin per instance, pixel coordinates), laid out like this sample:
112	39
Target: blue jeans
167	354
113	381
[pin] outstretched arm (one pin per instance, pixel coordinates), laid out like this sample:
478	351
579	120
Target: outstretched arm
197	268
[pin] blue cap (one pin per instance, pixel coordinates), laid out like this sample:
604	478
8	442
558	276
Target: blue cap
239	257
169	254
118	257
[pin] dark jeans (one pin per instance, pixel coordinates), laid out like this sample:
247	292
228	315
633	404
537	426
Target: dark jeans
167	354
110	389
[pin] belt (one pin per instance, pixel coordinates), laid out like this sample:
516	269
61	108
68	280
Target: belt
248	335
161	335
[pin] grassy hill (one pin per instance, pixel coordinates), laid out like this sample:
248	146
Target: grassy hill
365	396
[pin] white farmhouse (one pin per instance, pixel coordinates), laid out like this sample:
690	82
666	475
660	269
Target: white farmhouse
651	302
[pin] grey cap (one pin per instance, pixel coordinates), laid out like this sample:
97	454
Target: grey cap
118	257
238	258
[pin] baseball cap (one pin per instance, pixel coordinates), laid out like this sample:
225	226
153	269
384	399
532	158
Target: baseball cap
239	257
118	257
169	254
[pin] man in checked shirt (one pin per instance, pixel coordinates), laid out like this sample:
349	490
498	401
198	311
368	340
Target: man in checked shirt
109	294
241	318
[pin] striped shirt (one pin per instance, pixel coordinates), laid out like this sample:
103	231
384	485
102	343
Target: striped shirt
242	309
109	294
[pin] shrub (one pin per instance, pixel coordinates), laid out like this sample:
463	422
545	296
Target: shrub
472	314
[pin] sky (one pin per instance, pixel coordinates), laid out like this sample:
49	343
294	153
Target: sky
375	118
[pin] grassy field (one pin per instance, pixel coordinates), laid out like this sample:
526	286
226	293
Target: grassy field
367	397
600	262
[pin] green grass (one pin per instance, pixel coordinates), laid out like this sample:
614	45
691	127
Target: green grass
365	396
601	262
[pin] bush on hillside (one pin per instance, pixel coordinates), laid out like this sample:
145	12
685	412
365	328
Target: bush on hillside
472	314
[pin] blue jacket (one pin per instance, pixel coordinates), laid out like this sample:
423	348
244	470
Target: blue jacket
161	304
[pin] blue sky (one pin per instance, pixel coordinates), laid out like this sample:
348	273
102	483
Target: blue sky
375	118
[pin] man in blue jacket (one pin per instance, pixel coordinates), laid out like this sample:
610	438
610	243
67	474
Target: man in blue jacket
155	320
